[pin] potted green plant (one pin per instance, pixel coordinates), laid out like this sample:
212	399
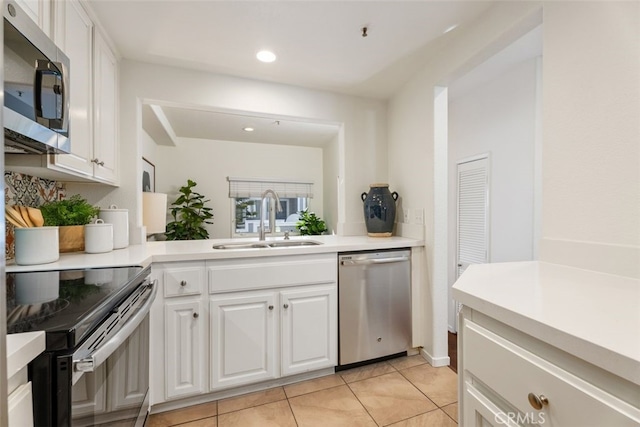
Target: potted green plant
189	215
70	215
310	224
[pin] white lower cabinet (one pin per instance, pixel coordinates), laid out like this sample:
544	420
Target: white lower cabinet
262	319
242	338
184	350
178	332
261	335
309	327
20	406
508	378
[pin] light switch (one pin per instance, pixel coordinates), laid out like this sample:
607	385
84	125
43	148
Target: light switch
406	218
418	216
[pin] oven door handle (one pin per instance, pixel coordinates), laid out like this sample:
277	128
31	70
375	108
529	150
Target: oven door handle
91	362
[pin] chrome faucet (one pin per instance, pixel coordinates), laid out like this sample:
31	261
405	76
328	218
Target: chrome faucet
272	218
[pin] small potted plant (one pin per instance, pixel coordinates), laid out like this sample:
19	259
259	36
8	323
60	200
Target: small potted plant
70	215
189	215
310	224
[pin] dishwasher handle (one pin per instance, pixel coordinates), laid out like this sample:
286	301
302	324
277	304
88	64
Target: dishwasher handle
372	261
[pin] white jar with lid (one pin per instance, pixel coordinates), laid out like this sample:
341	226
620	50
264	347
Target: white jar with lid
120	220
98	237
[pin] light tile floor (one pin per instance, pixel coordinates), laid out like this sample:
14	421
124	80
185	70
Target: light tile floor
402	392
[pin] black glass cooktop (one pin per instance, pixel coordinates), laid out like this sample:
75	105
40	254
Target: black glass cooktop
66	304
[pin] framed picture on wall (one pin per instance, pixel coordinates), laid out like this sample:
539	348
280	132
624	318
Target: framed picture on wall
148	176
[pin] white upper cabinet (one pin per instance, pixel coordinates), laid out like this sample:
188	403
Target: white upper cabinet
74	35
39	11
93	112
105	142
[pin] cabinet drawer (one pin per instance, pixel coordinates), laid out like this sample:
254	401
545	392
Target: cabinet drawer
20	407
183	279
272	272
513	372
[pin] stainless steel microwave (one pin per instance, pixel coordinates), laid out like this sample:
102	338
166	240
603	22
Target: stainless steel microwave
36	88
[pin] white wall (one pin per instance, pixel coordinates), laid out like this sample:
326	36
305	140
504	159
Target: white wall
498	117
413	155
591	136
209	163
362	148
590	106
331	174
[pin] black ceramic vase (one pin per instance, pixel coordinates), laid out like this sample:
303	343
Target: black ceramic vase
379	210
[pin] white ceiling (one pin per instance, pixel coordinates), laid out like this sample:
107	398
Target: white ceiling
318	43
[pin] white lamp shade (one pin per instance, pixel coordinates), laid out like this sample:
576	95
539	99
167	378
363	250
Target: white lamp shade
154	212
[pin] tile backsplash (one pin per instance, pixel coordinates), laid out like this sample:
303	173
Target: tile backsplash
26	190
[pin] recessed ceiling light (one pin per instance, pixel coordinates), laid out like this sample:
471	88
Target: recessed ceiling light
248	129
266	56
453	27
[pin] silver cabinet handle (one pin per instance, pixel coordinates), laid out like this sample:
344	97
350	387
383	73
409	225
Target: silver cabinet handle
286	306
97	162
537	402
196	315
270	307
183	283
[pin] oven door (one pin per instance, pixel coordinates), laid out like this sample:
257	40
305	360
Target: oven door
110	380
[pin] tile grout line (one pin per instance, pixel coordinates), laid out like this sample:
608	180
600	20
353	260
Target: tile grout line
362	404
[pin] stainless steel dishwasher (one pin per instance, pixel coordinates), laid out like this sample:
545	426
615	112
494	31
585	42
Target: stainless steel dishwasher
374	301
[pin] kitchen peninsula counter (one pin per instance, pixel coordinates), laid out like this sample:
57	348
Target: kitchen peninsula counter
190	250
593	316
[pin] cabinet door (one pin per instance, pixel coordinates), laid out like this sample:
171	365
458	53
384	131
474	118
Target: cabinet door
105	86
480	411
39	11
73	34
20	407
183	348
309	329
243	334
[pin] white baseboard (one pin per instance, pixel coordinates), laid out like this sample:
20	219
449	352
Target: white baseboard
436	362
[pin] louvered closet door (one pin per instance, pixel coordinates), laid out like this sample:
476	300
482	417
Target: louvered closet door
473	213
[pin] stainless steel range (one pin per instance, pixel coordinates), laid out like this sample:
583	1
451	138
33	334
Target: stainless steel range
95	369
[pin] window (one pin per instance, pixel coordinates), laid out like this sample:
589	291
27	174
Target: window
246	204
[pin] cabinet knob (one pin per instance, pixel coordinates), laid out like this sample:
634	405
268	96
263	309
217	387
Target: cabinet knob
286	306
196	315
97	162
183	283
270	307
537	402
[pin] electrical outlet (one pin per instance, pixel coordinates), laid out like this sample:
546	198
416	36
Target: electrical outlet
406	218
418	216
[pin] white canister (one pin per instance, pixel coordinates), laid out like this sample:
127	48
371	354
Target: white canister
98	237
36	245
120	220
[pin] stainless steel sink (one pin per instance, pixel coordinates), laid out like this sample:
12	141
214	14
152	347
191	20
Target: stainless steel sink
263	245
241	245
293	243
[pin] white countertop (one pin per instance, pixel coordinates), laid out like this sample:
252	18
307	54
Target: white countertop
22	349
594	316
189	250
